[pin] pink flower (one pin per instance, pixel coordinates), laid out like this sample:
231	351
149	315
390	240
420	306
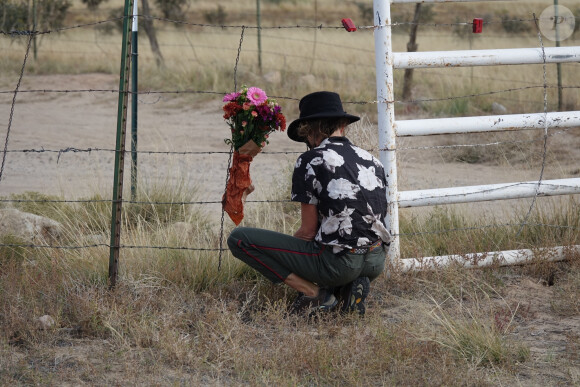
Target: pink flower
231	97
254	113
256	95
244	123
246	106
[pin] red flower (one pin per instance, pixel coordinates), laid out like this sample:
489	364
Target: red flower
231	109
282	120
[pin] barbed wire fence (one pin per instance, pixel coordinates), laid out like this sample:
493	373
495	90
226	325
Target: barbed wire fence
542	85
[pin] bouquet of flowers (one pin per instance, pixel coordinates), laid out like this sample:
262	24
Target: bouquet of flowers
252	116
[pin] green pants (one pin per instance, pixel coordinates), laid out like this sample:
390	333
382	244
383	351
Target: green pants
276	255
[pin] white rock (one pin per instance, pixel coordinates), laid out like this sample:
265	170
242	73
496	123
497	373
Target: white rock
46	321
28	227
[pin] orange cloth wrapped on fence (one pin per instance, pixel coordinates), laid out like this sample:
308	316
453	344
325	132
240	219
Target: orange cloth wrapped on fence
239	183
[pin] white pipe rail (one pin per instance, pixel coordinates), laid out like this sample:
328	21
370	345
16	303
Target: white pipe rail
500	258
469	58
480	193
386	114
386	61
508	122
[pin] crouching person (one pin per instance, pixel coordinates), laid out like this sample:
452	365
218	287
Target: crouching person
340	246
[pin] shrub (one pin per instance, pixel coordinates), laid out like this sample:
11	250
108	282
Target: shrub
92	4
513	25
366	12
216	17
171	9
51	13
13	16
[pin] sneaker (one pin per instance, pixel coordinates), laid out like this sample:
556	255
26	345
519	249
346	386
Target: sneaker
324	302
354	294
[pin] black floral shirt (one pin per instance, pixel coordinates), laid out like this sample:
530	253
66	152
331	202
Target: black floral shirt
348	186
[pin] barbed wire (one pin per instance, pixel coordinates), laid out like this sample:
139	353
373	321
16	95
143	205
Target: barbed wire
495	143
221	249
91	150
339	27
60	29
370	51
13	105
373	102
203	202
237	26
150	152
145	152
148	202
466	23
179	22
161	93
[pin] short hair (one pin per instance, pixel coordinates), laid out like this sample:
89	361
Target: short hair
323	127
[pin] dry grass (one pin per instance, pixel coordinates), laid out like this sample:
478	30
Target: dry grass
176	318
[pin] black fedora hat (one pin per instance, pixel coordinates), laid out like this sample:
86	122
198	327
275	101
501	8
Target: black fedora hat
318	105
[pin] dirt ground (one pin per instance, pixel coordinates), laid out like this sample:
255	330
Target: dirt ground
62	127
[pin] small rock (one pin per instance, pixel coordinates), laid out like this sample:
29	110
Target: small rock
46	321
28	227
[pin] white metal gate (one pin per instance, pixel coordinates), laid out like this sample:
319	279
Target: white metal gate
389	129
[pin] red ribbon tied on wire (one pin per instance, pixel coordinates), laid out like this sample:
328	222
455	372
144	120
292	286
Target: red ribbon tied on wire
239	183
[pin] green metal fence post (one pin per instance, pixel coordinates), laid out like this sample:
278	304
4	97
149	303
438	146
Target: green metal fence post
120	148
134	101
